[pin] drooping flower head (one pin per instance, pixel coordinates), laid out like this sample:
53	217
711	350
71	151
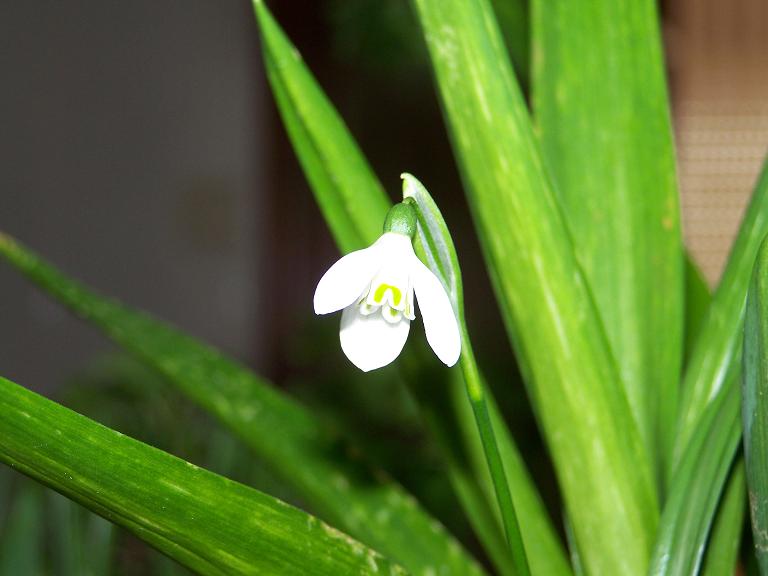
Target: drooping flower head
375	288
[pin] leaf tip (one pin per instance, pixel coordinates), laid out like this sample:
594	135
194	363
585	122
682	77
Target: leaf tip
410	184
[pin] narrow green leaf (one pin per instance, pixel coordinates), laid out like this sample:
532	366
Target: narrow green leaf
755	403
697	488
66	549
306	454
513	17
439	253
80	542
602	110
205	521
99	540
435	246
482	518
351	199
720	338
433	241
545	550
571	375
698	297
708	426
21	548
330	174
578	565
722	553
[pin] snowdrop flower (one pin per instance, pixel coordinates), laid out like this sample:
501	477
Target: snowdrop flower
375	288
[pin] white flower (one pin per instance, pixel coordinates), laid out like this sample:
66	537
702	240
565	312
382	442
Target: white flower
375	288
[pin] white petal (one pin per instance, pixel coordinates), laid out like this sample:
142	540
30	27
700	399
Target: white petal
371	342
391	315
346	280
439	319
395	248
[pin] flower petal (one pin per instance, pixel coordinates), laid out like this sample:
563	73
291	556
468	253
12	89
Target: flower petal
440	323
346	280
395	248
371	342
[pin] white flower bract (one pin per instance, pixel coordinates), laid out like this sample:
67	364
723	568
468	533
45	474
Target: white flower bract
375	289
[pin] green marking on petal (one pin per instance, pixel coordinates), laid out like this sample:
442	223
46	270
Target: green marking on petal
397	295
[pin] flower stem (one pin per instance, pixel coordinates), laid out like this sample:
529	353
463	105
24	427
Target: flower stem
477	399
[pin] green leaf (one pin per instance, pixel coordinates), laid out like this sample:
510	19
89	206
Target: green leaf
438	250
513	17
708	425
720	338
205	521
697	488
336	181
21	549
306	454
722	553
570	372
351	199
755	403
66	551
433	242
698	297
81	542
601	107
545	550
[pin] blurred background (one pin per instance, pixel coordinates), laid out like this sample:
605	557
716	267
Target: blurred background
141	152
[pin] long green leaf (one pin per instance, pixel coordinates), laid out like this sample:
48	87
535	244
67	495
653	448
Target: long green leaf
21	546
575	387
755	404
545	553
439	253
698	297
720	338
335	181
708	425
697	488
81	542
306	454
600	103
722	553
205	521
353	203
513	17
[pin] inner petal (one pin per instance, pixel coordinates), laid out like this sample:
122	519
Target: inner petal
390	288
390	314
366	309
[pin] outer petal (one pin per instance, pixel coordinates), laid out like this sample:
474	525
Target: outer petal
439	318
395	248
346	280
371	342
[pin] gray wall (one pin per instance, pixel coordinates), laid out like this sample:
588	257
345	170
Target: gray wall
130	156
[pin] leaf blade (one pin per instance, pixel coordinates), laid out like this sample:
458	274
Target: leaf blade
602	113
350	197
722	553
708	424
694	494
209	523
754	408
582	409
303	451
720	341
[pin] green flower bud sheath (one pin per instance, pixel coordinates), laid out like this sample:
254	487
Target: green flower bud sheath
401	219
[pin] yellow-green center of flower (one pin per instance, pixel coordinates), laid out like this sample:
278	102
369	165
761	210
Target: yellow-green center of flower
381	290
